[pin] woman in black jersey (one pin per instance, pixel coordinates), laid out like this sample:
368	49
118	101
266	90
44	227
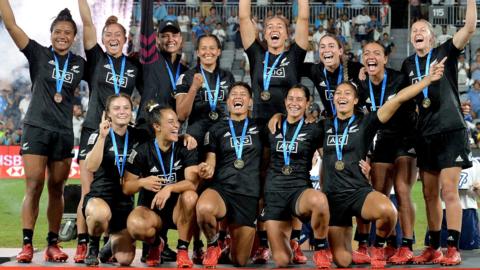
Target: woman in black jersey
232	169
393	155
105	206
288	189
107	72
165	173
442	144
202	90
346	140
47	140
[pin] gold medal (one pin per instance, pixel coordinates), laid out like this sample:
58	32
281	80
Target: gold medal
265	95
213	115
287	170
58	98
426	103
339	165
239	164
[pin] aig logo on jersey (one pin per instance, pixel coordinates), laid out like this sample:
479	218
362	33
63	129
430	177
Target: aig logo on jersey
168	180
68	75
221	94
277	73
123	83
246	141
293	148
331	139
329	94
417	79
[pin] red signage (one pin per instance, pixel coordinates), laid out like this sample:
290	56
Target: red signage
11	163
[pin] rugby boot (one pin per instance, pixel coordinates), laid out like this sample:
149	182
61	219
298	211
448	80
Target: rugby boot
105	255
153	256
403	256
198	255
298	256
53	253
26	255
80	253
211	257
321	259
429	256
377	255
261	256
389	251
168	255
452	257
92	256
183	261
361	256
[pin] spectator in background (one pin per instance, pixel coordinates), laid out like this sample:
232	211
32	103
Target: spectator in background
463	70
159	12
183	22
387	42
77	121
3	101
196	19
360	25
212	19
219	32
200	30
171	15
317	36
415	10
345	27
474	95
443	37
357	5
374	28
23	105
232	21
321	20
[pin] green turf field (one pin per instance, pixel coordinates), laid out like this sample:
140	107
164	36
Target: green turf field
11	201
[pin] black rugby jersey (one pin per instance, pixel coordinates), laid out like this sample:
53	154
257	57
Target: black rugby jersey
43	111
143	162
404	120
101	82
106	180
444	113
219	140
285	75
315	73
307	142
358	141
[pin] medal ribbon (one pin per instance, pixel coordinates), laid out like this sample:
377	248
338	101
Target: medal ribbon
160	159
212	99
121	168
287	152
339	81
382	96
173	81
427	68
267	76
117	83
238	145
59	79
339	148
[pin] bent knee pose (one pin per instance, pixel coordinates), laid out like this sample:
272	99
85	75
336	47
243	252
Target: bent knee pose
108	72
164	171
47	132
105	206
234	153
442	142
346	140
393	154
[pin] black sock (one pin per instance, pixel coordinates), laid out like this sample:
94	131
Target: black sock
434	239
105	239
263	239
83	238
407	243
182	245
362	239
145	249
222	235
392	241
197	244
453	238
94	241
295	235
27	236
379	241
320	243
156	241
52	238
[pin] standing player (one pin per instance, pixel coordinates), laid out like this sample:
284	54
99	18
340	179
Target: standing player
288	191
47	140
442	146
232	169
393	155
105	206
347	139
165	173
108	72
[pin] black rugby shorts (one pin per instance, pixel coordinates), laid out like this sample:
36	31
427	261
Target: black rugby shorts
39	141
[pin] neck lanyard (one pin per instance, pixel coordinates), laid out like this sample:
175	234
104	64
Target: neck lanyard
382	95
117	83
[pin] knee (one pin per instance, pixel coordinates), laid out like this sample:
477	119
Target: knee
342	259
449	193
390	213
55	188
125	258
281	259
204	210
98	211
139	228
189	199
34	189
431	194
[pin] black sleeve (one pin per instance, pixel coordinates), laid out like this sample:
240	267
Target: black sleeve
373	124
92	140
299	55
190	157
185	81
93	58
210	141
452	51
139	82
137	160
318	134
230	79
254	53
31	50
306	70
404	70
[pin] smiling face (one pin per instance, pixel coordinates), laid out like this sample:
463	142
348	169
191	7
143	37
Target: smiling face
330	52
421	36
374	58
62	36
239	100
345	98
296	103
120	111
114	38
208	51
275	32
170	42
168	127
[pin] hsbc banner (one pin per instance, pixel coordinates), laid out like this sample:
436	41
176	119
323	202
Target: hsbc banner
11	164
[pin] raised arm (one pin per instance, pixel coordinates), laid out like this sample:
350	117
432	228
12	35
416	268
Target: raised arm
391	106
461	38
17	34
301	31
248	31
89	31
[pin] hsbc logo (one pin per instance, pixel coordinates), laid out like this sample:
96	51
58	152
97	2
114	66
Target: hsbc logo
16	171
